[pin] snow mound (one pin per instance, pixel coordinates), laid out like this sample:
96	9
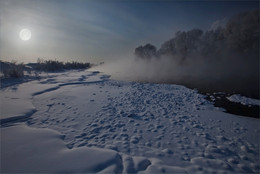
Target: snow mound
243	100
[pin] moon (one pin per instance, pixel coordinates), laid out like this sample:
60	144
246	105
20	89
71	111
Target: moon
25	34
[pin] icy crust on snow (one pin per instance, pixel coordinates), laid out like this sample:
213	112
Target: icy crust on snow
149	128
243	100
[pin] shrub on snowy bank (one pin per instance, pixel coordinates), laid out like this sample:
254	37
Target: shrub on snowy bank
11	70
15	70
54	65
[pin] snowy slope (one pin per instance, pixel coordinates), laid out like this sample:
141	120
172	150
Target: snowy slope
137	128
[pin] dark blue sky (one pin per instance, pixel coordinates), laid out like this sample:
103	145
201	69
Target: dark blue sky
101	30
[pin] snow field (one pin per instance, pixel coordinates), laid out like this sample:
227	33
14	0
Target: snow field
151	128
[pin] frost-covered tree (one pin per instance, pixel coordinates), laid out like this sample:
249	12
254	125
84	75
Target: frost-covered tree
146	52
238	37
242	31
167	48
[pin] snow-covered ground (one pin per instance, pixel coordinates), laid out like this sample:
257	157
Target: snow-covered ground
243	100
85	122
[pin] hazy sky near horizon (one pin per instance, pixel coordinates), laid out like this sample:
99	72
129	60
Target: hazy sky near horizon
100	30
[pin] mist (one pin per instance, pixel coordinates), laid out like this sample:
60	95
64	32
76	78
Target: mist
222	59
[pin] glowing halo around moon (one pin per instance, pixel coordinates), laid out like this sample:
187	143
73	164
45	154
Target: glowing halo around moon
25	34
